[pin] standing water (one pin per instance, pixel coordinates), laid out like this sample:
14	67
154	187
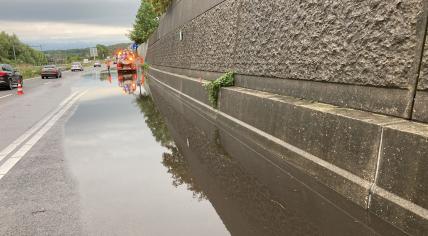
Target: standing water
148	164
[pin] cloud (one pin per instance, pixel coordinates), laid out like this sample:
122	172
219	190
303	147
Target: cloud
62	31
69	23
100	12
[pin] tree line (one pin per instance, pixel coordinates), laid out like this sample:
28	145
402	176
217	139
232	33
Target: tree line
13	51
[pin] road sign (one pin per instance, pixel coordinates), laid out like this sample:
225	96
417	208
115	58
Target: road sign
134	46
93	52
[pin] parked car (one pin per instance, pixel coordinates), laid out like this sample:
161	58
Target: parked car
9	77
97	64
50	71
76	66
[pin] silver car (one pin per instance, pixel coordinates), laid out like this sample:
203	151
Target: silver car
76	66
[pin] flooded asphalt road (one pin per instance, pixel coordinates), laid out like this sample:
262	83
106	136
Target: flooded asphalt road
124	187
131	160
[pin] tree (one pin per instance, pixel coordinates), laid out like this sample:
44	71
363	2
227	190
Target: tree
103	51
145	23
11	47
178	166
160	5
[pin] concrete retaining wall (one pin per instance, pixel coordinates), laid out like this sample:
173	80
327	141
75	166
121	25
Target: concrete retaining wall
369	52
312	78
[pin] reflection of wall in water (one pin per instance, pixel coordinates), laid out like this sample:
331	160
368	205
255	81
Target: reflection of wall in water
247	205
176	164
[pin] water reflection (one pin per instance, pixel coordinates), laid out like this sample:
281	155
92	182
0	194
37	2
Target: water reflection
124	189
251	196
106	76
176	164
131	83
128	82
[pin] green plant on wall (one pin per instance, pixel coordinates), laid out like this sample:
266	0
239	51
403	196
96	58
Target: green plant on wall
145	67
213	87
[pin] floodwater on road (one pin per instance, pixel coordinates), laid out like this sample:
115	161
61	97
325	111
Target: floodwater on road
147	164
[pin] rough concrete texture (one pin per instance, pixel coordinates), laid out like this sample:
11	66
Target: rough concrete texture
207	41
182	12
423	75
356	42
420	109
362	43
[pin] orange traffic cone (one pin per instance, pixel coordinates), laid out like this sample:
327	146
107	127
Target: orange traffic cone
20	91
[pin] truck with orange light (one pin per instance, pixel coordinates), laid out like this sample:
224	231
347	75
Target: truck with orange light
126	61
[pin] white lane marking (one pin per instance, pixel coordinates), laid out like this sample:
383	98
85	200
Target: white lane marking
6	151
11	162
47	82
5	96
8	165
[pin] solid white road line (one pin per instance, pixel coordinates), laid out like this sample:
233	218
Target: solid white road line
5	96
11	162
6	151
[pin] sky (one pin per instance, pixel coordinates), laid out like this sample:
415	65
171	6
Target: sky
65	24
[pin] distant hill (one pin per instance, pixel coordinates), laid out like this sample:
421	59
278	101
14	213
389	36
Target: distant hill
84	52
119	45
63	56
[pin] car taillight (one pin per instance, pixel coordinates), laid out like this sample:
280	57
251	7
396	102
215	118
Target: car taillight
2	73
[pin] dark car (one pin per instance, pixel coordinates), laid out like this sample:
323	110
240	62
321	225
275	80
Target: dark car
9	77
51	71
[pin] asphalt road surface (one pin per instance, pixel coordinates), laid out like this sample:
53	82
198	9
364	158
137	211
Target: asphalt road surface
95	153
76	158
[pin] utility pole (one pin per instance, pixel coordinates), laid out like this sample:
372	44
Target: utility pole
14	52
41	50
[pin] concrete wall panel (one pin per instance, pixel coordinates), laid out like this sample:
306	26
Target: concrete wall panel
356	42
348	139
403	171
